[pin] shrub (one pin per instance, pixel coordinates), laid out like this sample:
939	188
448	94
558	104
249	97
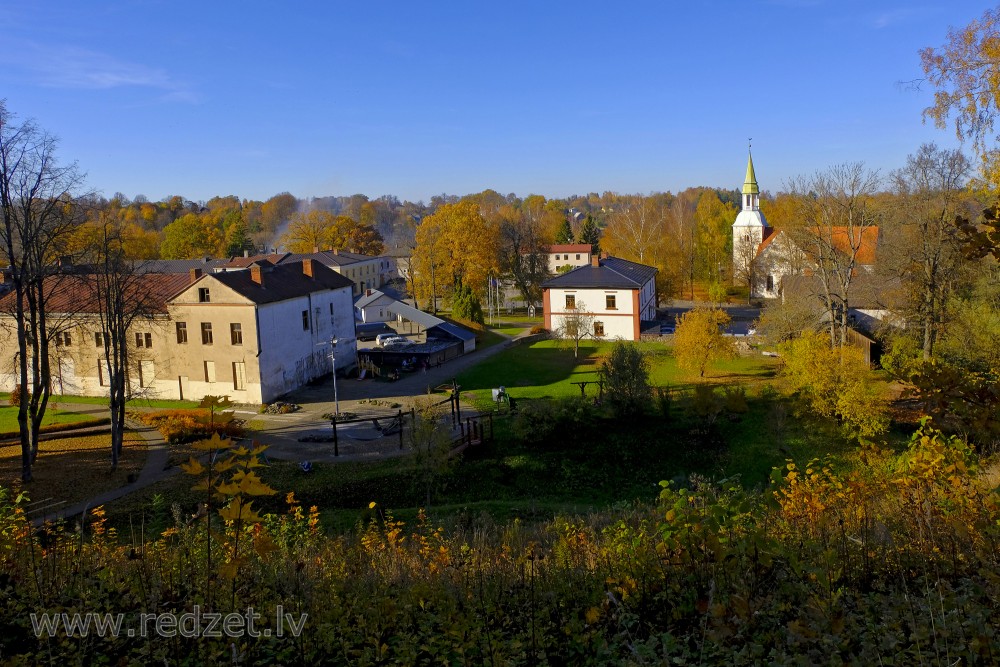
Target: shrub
537	329
177	426
18	394
543	420
625	375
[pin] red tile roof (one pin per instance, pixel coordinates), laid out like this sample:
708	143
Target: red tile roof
570	247
841	241
77	293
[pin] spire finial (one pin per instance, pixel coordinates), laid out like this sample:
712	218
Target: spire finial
749	144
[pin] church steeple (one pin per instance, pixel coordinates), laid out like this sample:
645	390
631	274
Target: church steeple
748	229
750	184
751	193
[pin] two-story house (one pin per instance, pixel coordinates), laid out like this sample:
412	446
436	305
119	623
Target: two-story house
615	294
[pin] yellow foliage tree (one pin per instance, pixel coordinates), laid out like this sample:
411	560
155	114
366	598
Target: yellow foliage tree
698	339
836	383
455	246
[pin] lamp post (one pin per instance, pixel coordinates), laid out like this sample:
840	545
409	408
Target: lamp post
333	363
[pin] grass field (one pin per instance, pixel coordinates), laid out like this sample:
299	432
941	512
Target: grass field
102	400
574	458
547	369
8	418
72	469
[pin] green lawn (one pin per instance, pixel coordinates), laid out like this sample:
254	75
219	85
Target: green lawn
8	418
547	369
103	400
512	325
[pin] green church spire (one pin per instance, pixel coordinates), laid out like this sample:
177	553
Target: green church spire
750	184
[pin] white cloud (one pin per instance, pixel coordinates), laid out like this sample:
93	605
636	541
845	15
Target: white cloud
83	69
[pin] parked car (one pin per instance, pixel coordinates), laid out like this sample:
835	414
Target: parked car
383	338
666	329
392	340
368	332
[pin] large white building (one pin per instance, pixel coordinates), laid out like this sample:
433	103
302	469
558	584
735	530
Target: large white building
613	294
253	334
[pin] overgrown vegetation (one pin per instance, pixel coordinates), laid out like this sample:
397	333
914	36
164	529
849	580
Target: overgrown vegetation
882	564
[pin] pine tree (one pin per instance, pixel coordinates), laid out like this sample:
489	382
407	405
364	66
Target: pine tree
565	233
590	233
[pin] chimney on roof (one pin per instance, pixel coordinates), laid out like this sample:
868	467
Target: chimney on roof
604	255
595	260
246	253
307	267
315	248
195	274
256	274
368	292
336	251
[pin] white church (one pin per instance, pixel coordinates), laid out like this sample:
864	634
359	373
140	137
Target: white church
764	258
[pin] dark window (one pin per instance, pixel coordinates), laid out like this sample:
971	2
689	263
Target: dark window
578	255
610	302
770	283
143	339
570	301
206	333
236	333
102	370
63	339
331	309
204	295
99	337
305	320
182	332
598	328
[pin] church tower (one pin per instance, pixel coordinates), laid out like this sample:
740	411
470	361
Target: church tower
749	228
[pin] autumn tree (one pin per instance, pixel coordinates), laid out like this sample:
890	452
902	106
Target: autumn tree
455	246
39	211
637	230
965	73
699	339
522	251
322	230
836	383
838	231
924	251
713	220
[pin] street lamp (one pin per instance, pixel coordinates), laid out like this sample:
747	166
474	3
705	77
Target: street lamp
333	363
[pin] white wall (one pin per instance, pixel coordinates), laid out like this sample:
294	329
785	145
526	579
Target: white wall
292	356
618	323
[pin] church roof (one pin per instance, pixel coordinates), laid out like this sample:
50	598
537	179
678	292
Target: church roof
750	183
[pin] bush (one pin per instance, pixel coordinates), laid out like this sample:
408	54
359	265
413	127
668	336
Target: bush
177	426
625	374
538	329
18	394
541	421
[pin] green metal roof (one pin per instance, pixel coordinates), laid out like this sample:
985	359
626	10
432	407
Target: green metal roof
750	184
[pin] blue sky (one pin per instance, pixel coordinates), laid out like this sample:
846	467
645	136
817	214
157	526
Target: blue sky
419	98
